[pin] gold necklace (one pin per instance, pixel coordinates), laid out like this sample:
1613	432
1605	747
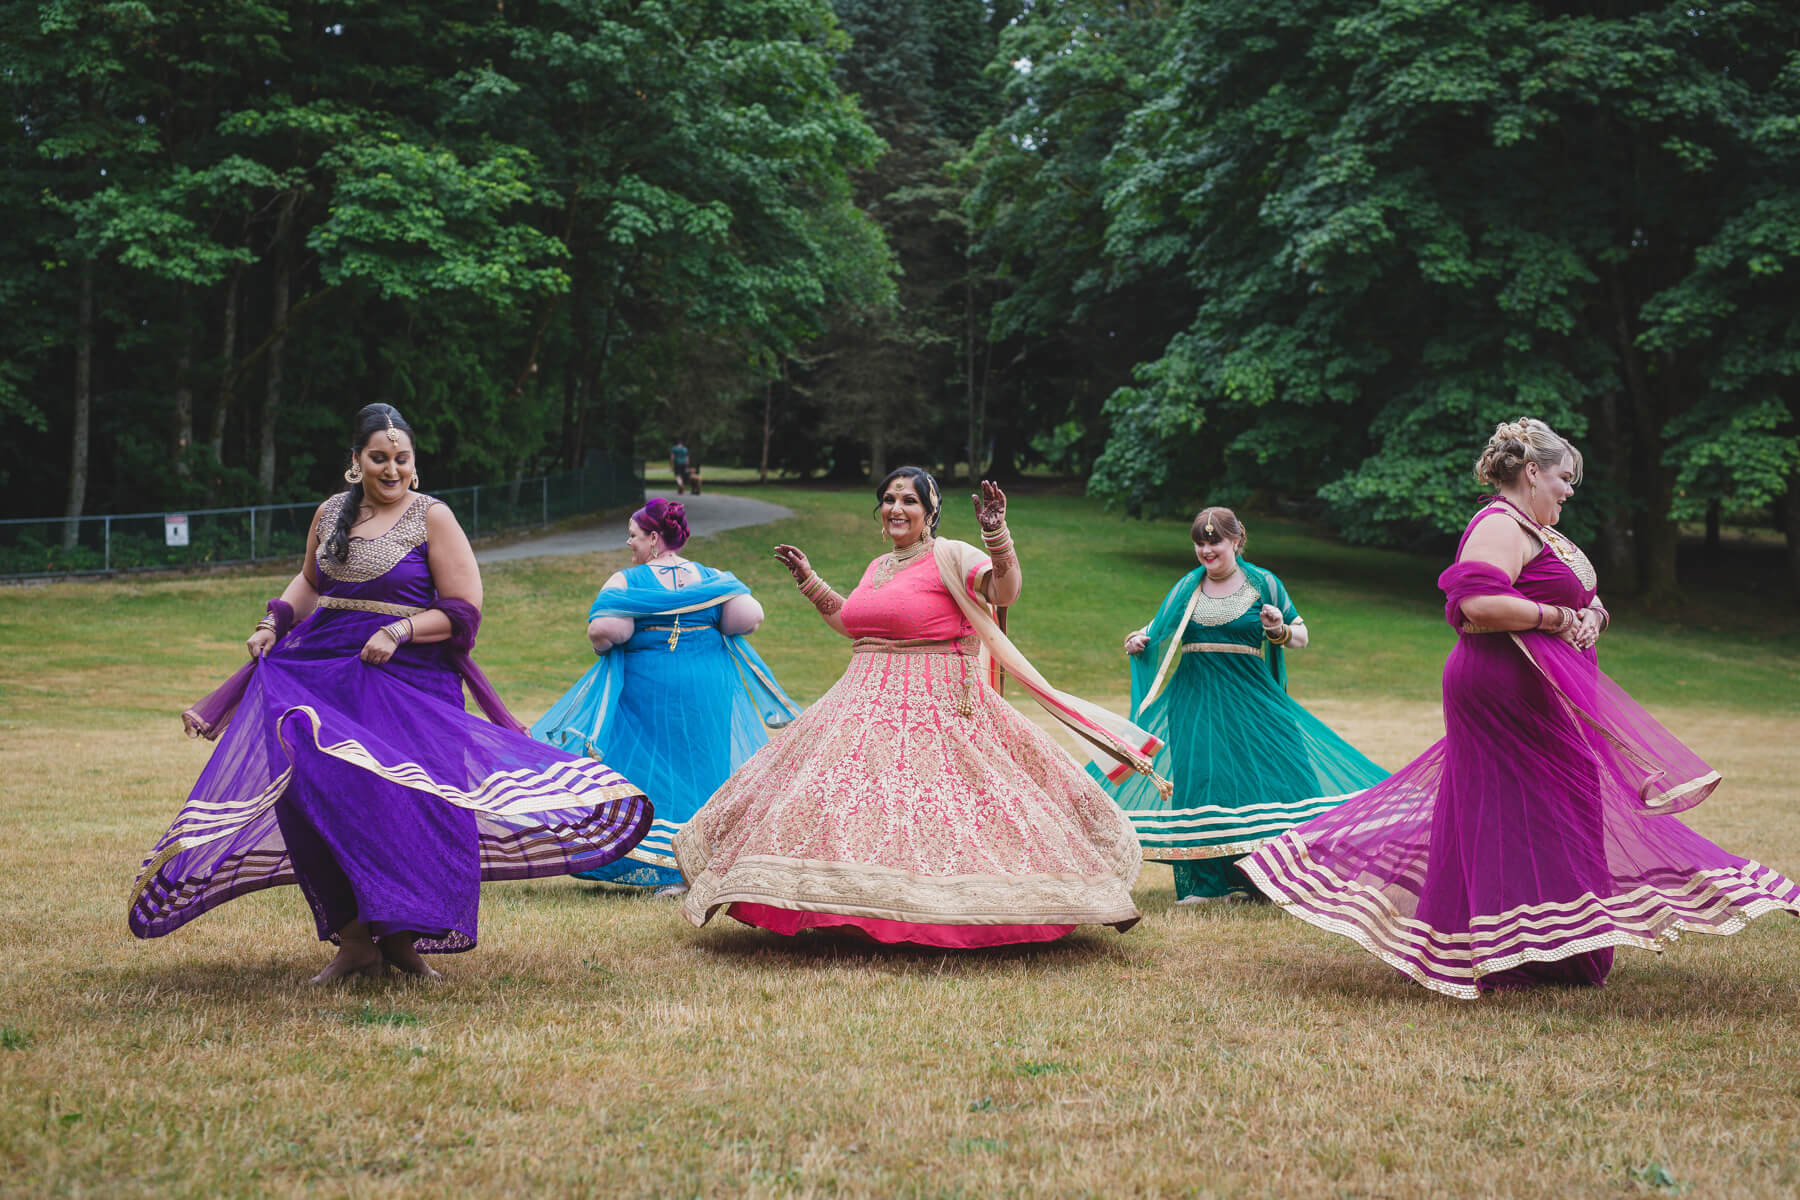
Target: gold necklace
893	560
1571	555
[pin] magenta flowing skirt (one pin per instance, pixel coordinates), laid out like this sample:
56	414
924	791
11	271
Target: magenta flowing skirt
1529	842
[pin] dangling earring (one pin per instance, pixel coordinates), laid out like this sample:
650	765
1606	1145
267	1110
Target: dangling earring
414	485
354	474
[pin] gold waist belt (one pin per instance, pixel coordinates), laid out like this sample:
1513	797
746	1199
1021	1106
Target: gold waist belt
675	631
966	646
374	606
1218	648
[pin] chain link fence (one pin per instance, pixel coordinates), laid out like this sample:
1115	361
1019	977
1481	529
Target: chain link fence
36	548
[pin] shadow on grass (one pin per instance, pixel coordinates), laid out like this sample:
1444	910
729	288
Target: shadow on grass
1643	989
255	982
818	949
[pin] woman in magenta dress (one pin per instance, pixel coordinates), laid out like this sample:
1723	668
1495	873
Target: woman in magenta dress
347	763
911	803
1537	835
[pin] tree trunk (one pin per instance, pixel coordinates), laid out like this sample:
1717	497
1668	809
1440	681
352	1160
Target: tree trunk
1653	481
182	430
278	318
969	389
1787	508
1618	558
768	427
78	434
878	467
1714	538
227	368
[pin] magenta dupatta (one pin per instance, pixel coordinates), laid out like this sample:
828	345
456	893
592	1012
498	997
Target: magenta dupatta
1635	749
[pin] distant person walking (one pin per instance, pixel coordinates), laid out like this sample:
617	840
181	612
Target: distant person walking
347	763
678	465
1209	677
678	698
1535	836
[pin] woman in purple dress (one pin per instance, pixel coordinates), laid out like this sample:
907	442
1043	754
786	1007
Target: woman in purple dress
1537	835
348	764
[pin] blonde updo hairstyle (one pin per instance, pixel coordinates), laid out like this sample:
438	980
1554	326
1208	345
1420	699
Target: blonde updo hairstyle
1515	443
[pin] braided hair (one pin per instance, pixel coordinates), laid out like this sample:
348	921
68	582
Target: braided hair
373	419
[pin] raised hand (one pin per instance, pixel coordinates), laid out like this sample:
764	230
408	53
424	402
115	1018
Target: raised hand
1271	618
795	561
990	506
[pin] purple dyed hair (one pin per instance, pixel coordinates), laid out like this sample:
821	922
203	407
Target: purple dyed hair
665	517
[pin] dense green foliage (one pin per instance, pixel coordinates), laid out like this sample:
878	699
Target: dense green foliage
529	225
1305	251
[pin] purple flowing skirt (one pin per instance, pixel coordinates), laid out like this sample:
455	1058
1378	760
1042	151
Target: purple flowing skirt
1526	844
374	790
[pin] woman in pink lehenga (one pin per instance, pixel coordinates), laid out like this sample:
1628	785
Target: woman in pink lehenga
911	802
1536	835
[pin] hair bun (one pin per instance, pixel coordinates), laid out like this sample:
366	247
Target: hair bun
667	519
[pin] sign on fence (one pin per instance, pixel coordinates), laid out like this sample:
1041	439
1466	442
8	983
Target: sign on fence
37	547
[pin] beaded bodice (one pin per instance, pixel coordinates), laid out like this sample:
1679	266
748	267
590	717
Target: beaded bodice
390	567
1233	618
910	602
1559	573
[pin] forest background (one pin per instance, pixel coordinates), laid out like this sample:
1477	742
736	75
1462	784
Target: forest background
1295	253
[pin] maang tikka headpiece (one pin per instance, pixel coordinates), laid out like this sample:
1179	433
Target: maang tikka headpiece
1209	529
393	434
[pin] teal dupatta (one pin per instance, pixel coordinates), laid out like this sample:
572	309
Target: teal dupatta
1171	833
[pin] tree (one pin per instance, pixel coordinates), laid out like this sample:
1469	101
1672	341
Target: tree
1404	223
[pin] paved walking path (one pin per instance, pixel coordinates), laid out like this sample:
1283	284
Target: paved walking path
706	513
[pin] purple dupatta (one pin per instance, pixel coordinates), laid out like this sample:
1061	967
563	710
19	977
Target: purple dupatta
209	716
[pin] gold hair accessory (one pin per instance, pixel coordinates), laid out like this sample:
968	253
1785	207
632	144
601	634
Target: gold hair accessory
1209	529
393	434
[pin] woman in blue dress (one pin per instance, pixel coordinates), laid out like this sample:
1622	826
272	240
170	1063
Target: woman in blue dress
678	698
1209	677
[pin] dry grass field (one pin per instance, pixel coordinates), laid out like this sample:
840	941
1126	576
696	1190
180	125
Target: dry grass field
594	1044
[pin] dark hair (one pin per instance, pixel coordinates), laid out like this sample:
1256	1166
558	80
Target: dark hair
667	519
1225	526
923	484
373	419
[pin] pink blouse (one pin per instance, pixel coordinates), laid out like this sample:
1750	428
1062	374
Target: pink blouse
912	604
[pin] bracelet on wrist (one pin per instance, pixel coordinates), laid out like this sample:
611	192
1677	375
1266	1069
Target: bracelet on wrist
1280	637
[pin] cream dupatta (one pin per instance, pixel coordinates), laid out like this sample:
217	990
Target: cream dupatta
1115	745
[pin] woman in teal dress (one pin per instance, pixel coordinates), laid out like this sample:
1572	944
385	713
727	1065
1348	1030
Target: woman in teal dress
677	692
1208	676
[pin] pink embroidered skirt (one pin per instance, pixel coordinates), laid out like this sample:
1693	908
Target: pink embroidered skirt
914	805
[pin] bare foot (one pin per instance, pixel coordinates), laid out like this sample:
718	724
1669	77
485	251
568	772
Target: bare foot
397	950
353	959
